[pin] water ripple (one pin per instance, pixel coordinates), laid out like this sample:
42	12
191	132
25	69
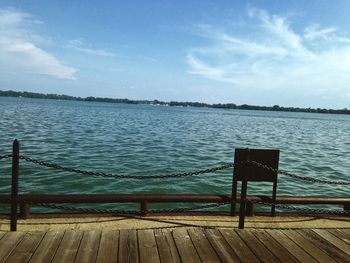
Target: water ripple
148	140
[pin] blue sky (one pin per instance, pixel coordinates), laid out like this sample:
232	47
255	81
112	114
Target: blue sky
290	53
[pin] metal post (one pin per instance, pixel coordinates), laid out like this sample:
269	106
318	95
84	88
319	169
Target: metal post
233	197
14	190
242	209
274	193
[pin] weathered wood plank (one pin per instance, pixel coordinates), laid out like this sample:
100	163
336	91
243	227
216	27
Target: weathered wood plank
324	245
26	248
185	246
345	232
276	248
202	245
166	246
220	245
68	247
147	246
309	247
88	248
262	253
8	243
108	249
47	248
128	247
340	234
292	247
238	245
336	241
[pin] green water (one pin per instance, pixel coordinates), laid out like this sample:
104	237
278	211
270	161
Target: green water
148	140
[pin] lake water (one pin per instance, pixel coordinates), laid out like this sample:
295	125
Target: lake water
149	140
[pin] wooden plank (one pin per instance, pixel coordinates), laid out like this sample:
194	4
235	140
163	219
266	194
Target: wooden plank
166	246
128	248
276	248
147	246
185	246
9	242
25	249
47	248
340	234
68	247
338	242
88	248
220	245
292	247
324	245
345	232
108	250
202	245
262	253
238	245
308	246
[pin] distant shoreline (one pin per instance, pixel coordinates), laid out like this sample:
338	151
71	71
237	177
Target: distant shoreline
25	94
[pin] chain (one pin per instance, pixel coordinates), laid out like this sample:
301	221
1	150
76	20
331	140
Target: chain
314	180
187	209
132	212
175	175
121	176
6	156
304	178
302	209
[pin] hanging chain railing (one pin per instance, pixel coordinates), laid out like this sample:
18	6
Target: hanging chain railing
122	176
173	175
302	209
304	178
176	175
131	212
6	156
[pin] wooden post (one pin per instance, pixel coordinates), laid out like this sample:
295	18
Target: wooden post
144	207
347	207
242	209
14	187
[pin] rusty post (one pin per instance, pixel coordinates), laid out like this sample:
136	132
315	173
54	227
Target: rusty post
242	209
14	187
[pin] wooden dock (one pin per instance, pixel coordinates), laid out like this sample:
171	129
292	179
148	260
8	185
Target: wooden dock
177	245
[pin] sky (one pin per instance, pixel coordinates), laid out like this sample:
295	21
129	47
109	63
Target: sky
288	53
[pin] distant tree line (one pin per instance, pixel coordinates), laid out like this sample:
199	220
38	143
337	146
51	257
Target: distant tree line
10	93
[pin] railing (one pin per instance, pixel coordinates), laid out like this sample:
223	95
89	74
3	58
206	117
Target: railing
25	201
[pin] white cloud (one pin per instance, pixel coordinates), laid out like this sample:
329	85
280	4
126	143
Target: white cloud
19	52
313	32
77	44
314	62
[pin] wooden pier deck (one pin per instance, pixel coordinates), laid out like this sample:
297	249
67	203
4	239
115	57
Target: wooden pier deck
177	245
